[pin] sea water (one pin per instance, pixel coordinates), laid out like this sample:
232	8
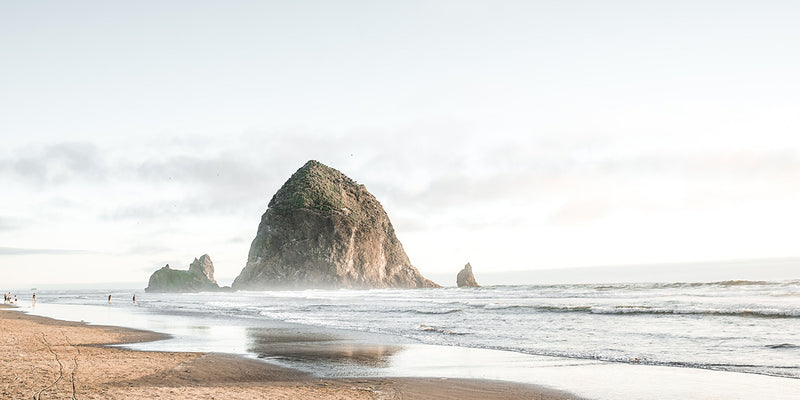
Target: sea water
730	332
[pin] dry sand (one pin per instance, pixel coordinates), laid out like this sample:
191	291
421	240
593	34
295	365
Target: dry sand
42	358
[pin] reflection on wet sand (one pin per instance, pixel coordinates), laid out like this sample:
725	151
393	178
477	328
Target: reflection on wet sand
315	348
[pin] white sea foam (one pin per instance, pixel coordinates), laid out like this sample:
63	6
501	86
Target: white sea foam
741	326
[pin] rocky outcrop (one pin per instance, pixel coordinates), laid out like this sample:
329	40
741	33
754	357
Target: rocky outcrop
323	230
198	278
465	277
203	266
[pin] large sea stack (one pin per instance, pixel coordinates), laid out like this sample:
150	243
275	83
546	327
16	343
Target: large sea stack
199	278
323	230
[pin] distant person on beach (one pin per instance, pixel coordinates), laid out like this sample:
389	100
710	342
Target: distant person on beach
134	297
34	298
15	299
109	298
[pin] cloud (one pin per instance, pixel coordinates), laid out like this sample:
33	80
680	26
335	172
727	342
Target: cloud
200	201
148	211
466	179
146	249
580	212
172	183
224	170
10	224
56	163
16	251
737	164
575	184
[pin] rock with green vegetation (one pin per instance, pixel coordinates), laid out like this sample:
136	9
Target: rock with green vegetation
198	278
323	230
465	277
203	266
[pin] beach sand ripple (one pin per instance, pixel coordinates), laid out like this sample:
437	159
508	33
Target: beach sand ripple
43	358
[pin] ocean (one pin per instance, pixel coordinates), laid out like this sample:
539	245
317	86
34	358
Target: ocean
744	328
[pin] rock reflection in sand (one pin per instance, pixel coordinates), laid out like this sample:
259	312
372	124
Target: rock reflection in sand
316	348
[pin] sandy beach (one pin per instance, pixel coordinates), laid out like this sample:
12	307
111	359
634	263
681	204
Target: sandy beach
44	358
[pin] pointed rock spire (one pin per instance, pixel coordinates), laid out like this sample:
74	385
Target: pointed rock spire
465	277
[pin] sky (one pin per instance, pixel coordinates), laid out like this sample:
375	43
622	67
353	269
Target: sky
516	135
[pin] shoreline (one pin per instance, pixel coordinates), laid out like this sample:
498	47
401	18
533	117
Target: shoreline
67	360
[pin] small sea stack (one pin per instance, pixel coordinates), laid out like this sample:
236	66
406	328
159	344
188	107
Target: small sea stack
198	278
465	277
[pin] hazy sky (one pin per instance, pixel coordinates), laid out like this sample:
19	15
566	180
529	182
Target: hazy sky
516	135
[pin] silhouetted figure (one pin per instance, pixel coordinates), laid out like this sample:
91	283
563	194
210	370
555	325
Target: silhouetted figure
134	297
109	298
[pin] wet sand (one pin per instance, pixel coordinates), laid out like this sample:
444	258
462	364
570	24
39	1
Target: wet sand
43	358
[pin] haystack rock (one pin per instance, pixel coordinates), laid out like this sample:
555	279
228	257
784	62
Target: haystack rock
465	277
199	278
323	230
